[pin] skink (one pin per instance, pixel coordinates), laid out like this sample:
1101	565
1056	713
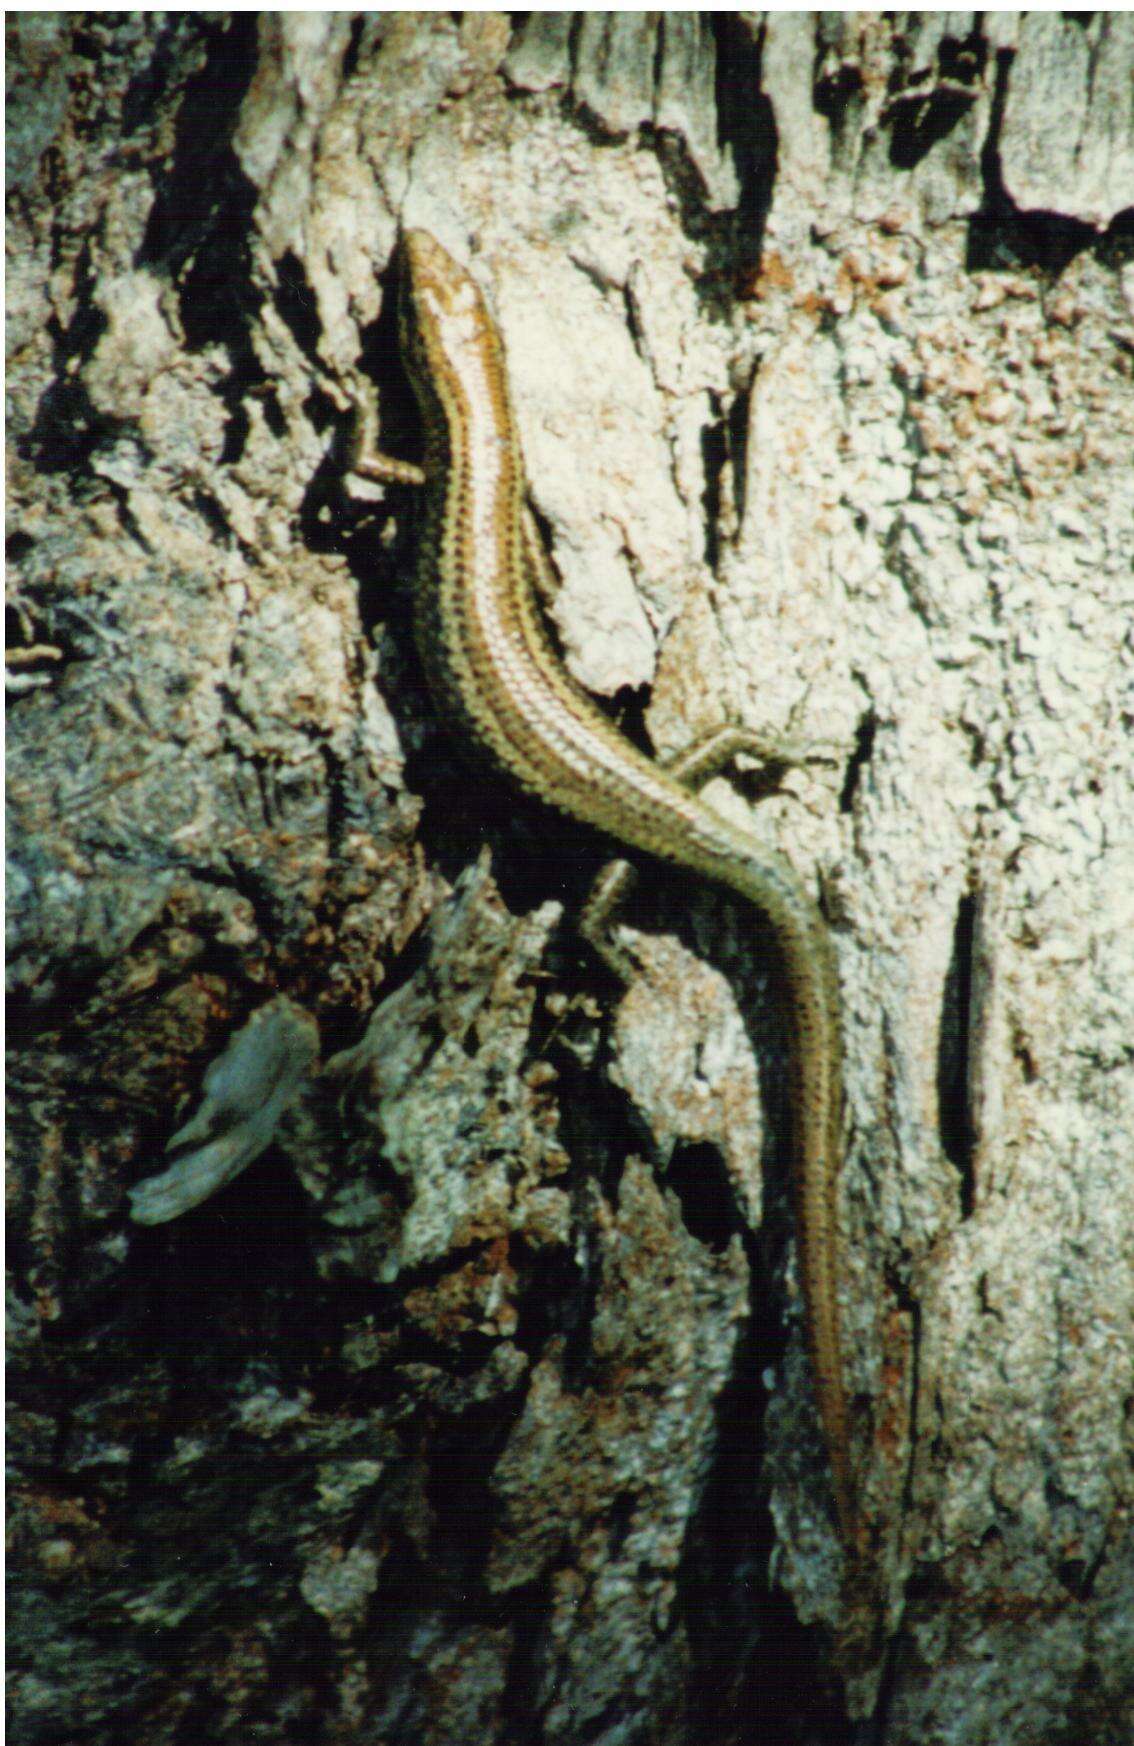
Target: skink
495	673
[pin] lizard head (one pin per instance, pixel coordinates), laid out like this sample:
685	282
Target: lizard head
441	310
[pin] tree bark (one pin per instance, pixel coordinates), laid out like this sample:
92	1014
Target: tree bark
406	1338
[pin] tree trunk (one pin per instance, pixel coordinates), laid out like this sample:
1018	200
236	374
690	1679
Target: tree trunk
442	1379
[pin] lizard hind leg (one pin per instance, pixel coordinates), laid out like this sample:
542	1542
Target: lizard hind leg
692	766
596	921
707	757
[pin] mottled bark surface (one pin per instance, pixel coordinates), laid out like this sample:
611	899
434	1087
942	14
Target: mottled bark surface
449	1385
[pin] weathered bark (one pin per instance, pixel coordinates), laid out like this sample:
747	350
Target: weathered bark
464	1397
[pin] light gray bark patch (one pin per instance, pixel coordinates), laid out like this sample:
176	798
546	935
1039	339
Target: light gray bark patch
614	68
1068	138
686	102
540	55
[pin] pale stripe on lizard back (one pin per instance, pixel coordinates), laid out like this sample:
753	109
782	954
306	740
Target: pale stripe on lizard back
496	674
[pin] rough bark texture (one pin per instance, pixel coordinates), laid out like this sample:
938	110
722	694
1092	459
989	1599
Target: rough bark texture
464	1398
